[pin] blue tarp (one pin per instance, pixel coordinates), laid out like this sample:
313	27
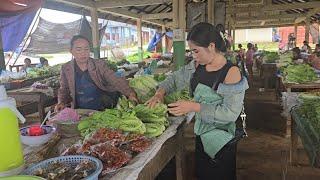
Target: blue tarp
157	38
154	41
14	28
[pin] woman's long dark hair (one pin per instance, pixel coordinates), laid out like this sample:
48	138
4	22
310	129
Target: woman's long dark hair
202	34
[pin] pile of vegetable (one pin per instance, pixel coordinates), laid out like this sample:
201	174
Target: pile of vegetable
270	57
309	96
112	65
53	81
310	110
144	86
135	57
154	119
301	73
44	71
176	96
112	118
138	119
286	57
159	77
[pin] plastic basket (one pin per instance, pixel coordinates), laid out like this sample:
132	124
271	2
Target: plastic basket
71	161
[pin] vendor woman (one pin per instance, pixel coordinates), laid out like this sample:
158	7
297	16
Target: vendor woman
218	90
89	83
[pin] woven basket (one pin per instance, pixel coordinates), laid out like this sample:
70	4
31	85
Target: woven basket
73	161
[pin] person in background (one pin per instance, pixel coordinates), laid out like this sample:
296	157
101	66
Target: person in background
314	58
241	59
306	48
89	83
218	90
255	48
317	50
27	65
43	63
249	61
296	56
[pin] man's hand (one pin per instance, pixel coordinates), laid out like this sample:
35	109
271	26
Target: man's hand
133	97
183	107
157	98
59	107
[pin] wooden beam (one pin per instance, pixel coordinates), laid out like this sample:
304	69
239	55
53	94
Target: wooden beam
169	24
117	11
295	34
2	59
157	16
128	14
139	36
175	11
126	3
245	2
210	11
233	38
288	6
164	44
95	33
313	11
78	3
280	7
182	15
268	18
267	24
307	27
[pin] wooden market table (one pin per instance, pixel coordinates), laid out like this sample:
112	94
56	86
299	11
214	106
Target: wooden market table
32	102
172	147
301	128
18	84
292	121
268	74
282	86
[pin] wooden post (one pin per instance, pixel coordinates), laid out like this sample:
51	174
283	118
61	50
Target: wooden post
175	10
179	46
182	15
295	34
233	37
139	35
164	46
307	29
211	11
2	60
294	143
95	33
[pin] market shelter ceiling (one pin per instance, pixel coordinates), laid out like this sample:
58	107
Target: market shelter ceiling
239	13
271	13
152	12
